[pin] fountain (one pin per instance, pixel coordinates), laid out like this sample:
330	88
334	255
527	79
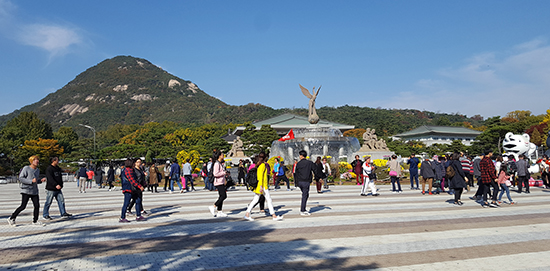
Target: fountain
316	140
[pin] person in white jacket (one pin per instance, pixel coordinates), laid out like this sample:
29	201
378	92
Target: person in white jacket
367	181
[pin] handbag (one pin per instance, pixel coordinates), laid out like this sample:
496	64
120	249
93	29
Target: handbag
508	183
393	173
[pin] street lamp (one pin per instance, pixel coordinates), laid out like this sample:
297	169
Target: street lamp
93	130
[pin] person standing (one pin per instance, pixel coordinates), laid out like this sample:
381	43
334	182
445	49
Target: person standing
413	170
262	189
175	177
523	173
319	175
427	171
488	179
209	182
219	182
242	172
326	172
166	174
544	166
111	176
466	164
457	181
187	171
304	175
154	179
395	174
54	184
29	178
90	174
368	171
477	175
98	176
82	178
140	178
357	166
503	181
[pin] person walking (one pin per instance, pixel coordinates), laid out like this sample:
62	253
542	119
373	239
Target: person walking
175	177
427	172
242	172
29	178
54	184
281	176
140	178
488	178
439	174
90	175
395	174
504	183
319	174
304	175
166	174
131	189
413	170
187	171
262	189
368	181
326	172
357	166
110	177
98	176
457	181
82	178
219	182
523	174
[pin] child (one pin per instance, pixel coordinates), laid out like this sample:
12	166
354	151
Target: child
504	182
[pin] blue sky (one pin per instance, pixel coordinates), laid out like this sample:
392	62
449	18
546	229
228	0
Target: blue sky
468	57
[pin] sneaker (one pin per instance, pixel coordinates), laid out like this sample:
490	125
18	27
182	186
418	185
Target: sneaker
423	192
499	202
376	195
278	218
400	192
181	191
170	191
248	218
364	195
288	189
394	192
460	203
512	203
39	224
212	210
456	204
66	215
123	220
141	218
221	214
109	189
11	222
430	193
48	217
494	204
145	213
305	213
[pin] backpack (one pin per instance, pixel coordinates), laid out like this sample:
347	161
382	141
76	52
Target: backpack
281	170
211	172
252	178
450	172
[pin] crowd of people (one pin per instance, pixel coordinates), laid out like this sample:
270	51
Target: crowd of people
456	172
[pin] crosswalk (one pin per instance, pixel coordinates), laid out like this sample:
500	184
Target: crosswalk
405	231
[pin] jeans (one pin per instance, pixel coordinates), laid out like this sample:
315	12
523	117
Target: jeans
189	181
304	186
58	195
395	179
504	188
175	178
127	198
414	176
24	200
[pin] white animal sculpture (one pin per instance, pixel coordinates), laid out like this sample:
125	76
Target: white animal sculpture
519	144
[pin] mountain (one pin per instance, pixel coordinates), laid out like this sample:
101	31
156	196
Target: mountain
131	90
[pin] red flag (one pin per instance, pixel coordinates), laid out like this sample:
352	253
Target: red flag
289	135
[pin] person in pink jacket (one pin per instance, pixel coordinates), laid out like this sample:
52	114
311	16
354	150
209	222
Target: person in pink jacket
219	182
503	176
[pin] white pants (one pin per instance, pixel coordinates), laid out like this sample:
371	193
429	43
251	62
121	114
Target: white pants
267	199
367	181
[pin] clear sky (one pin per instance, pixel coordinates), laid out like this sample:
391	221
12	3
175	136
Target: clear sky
471	57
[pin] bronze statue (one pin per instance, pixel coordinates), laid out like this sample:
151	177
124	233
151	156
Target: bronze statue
313	118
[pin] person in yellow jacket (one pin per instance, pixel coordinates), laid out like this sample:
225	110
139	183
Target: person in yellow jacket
262	188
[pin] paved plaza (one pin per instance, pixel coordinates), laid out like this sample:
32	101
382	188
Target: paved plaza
345	232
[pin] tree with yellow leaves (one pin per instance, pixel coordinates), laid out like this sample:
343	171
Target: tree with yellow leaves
44	148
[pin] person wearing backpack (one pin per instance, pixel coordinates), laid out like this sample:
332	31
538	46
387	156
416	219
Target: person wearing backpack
281	175
456	176
219	181
262	188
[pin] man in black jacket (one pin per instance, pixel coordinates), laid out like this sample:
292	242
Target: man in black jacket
54	184
303	176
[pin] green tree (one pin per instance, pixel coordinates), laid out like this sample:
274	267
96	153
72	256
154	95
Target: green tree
256	141
26	126
67	138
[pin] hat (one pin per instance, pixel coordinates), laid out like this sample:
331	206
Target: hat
435	157
167	161
487	151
